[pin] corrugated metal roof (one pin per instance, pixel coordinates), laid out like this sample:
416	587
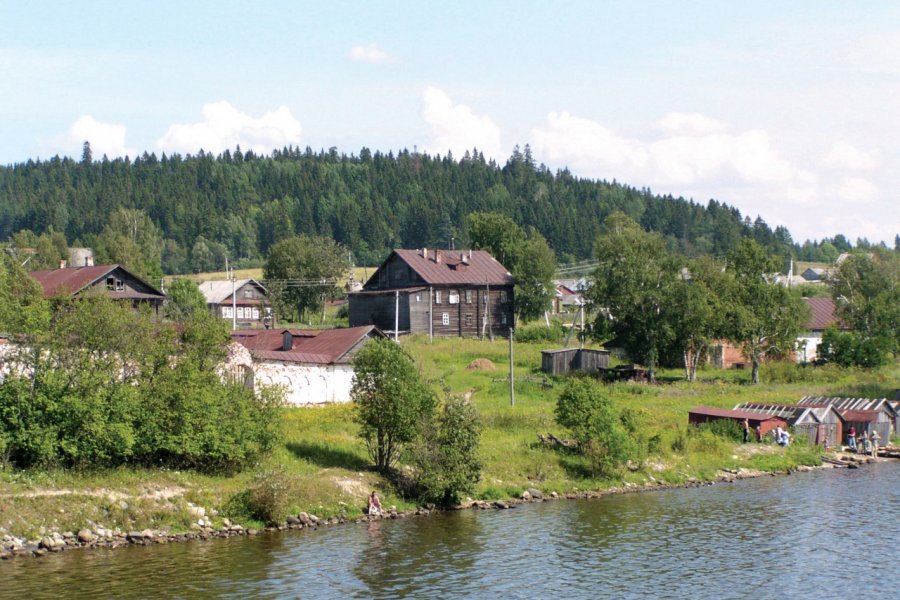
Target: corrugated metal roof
456	267
864	416
822	314
309	346
846	403
734	414
788	412
70	281
217	290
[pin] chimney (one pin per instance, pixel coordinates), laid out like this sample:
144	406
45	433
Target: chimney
89	261
470	254
463	258
62	263
425	253
437	256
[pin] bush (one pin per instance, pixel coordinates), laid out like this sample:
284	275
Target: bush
269	496
111	386
446	455
390	400
853	349
600	434
539	332
790	372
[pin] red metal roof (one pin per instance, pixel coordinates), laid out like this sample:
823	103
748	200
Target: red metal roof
732	414
70	281
822	314
312	346
456	267
860	416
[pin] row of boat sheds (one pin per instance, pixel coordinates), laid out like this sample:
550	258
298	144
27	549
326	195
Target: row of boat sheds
819	419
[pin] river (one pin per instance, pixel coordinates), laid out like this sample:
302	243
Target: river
823	534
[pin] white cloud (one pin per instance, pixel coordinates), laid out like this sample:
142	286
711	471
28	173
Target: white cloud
856	190
690	123
846	156
457	128
224	127
105	138
370	53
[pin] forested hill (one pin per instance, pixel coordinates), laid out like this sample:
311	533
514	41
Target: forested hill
240	203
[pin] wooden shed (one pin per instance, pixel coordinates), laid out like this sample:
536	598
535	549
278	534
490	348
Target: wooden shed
818	424
563	360
878	404
706	414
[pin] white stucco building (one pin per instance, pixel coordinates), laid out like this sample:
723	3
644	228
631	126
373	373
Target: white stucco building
313	366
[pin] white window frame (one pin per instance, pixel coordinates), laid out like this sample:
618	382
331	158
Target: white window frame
240	312
468	296
437	296
445	318
453	297
227	312
255	313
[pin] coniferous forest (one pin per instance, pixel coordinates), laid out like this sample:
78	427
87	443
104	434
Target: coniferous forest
237	204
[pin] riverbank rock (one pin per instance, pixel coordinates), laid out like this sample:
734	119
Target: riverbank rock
85	536
536	494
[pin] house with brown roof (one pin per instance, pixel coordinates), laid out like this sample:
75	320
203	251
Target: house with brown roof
822	316
114	281
244	301
437	292
314	366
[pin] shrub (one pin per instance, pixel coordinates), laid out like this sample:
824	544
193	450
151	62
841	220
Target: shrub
446	455
539	332
270	496
390	400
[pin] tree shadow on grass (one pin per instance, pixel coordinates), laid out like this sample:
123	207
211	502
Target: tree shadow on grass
328	456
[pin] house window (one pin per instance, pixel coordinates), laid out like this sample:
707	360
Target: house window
227	312
503	318
255	313
248	293
110	283
437	297
417	297
453	297
468	296
445	318
240	311
502	295
468	319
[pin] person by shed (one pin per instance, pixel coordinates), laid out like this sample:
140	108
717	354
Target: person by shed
851	438
874	437
746	427
758	433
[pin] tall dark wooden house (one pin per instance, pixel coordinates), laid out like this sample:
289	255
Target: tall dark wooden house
437	292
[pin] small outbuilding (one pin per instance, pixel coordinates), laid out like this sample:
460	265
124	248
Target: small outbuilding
563	360
818	424
706	414
891	411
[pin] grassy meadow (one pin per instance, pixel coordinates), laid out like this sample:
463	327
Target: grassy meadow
328	472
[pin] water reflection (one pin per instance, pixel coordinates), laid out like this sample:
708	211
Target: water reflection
811	535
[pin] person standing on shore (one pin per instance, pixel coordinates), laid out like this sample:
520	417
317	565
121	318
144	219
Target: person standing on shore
851	438
874	438
759	434
746	426
374	505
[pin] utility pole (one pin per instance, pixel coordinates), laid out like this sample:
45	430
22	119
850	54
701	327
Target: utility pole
512	385
233	296
397	316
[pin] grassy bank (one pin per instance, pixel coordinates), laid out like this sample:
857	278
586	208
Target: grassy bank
327	471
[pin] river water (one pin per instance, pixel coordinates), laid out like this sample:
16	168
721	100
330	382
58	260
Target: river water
824	534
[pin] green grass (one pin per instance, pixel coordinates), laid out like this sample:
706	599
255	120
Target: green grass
330	472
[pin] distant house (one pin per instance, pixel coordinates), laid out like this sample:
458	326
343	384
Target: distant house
822	316
314	366
814	274
114	281
567	297
248	305
438	292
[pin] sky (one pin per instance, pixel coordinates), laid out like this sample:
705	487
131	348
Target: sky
785	110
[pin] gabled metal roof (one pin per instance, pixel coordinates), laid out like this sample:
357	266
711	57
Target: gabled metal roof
71	281
308	346
454	267
217	290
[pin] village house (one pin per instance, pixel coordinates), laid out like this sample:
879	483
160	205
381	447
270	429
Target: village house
114	281
437	292
244	301
822	316
313	366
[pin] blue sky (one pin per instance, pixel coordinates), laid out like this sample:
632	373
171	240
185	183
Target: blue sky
784	109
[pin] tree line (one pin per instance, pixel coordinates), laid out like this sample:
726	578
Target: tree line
198	209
